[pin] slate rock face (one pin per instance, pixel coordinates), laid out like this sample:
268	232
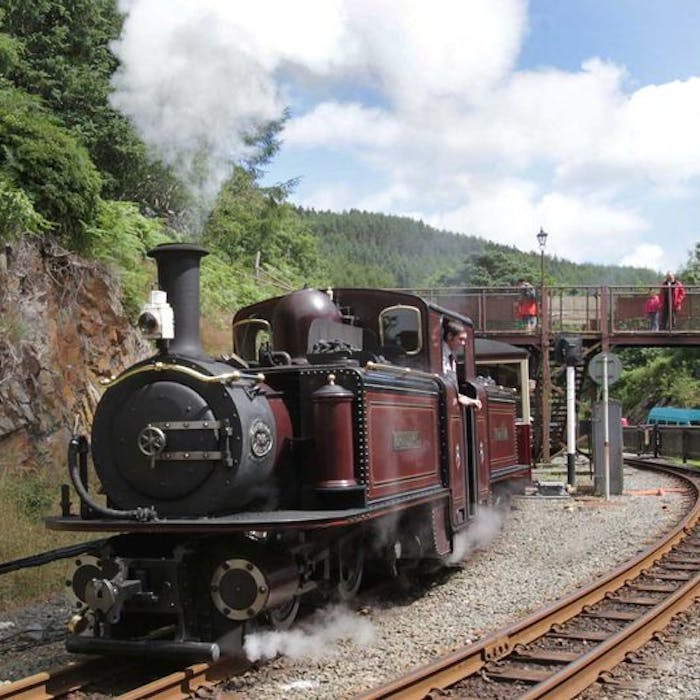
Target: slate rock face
62	327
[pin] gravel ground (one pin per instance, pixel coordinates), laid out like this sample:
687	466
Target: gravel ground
546	547
532	554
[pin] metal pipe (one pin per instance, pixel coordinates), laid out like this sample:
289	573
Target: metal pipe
77	453
183	650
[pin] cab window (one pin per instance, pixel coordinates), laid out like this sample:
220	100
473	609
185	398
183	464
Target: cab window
400	328
249	336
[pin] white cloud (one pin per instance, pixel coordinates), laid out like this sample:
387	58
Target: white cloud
512	212
336	126
648	255
451	129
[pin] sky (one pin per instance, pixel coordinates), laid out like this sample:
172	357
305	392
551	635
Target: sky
493	118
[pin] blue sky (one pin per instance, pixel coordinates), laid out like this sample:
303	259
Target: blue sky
486	117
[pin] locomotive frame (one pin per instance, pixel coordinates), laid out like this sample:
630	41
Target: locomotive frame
329	438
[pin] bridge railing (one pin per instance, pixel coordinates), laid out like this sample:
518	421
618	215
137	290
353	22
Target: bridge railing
572	309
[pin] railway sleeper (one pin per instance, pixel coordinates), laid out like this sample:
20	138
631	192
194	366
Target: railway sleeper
654	587
623	615
639	600
545	656
510	672
581	635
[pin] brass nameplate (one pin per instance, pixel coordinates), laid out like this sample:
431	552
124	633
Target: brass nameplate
406	440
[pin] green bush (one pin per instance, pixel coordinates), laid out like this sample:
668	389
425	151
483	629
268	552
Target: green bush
44	160
121	237
17	213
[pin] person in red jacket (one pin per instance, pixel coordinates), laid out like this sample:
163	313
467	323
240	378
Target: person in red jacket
526	307
651	309
671	299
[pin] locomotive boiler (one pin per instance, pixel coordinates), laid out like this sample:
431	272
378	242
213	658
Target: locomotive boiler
327	440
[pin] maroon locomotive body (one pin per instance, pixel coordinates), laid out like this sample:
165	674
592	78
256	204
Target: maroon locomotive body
329	438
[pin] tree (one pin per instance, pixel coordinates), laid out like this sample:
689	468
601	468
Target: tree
44	160
249	219
691	273
66	61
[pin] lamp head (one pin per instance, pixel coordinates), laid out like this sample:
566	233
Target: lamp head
542	238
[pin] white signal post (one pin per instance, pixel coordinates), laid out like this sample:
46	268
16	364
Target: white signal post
606	428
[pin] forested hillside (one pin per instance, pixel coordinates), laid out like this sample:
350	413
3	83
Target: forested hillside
376	249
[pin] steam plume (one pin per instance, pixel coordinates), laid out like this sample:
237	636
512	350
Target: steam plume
486	525
315	638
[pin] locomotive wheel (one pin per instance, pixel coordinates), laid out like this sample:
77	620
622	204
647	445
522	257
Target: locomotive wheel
351	567
282	617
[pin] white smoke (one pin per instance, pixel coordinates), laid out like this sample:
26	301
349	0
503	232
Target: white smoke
194	85
314	638
480	533
196	76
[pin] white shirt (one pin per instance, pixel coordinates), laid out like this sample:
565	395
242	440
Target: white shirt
447	366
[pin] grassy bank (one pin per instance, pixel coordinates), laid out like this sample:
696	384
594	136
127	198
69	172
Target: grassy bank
25	499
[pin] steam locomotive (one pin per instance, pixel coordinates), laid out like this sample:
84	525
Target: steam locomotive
235	487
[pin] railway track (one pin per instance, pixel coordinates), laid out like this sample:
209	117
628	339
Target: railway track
564	648
90	676
555	653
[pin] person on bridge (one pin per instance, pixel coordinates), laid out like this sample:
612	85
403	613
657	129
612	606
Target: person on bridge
526	308
454	341
651	309
671	299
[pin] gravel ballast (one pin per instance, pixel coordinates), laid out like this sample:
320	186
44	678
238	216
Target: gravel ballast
545	547
531	554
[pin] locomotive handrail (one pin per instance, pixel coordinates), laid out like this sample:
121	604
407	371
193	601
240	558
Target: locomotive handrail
225	378
395	369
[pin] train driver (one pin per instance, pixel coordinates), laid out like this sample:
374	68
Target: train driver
454	341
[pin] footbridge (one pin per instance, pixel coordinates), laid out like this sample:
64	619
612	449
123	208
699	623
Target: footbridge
602	317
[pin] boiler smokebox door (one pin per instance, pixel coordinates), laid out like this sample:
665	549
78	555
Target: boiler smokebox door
151	448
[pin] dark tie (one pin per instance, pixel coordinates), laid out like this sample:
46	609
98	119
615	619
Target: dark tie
451	357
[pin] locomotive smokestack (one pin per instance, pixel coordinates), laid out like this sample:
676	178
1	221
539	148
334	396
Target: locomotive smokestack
178	277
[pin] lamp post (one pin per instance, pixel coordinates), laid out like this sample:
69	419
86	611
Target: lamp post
546	390
542	242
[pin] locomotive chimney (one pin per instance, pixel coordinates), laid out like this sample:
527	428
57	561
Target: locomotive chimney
178	277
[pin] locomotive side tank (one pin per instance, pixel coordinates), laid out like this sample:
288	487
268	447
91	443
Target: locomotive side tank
238	486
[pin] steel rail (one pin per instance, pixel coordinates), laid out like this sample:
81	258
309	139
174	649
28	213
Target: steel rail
185	683
59	682
456	666
76	675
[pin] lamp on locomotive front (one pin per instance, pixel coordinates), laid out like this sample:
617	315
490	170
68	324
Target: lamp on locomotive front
156	320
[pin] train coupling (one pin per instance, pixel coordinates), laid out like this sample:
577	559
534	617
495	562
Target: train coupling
108	597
